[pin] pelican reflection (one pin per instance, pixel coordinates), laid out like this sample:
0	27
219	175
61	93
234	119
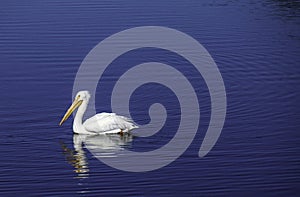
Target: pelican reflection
98	145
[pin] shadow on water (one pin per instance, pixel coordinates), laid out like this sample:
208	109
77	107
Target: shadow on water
292	4
98	145
286	9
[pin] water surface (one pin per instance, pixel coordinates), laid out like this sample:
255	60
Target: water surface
255	45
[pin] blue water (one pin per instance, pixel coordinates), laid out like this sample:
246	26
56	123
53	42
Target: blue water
255	45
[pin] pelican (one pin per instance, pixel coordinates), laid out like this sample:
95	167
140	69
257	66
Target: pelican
102	123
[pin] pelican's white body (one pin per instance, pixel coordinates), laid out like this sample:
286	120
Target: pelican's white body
102	123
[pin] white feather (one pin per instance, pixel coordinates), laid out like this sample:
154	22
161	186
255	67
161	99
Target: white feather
105	122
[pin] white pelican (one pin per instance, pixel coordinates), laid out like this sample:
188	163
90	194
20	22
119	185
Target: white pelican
102	123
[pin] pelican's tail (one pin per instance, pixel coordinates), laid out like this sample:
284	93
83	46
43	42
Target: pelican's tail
133	126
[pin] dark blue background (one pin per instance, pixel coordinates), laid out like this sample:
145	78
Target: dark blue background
255	45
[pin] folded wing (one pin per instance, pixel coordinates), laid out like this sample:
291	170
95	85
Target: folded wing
105	122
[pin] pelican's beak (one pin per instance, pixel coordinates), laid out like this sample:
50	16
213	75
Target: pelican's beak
74	105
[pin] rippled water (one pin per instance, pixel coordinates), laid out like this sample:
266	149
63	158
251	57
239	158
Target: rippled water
255	45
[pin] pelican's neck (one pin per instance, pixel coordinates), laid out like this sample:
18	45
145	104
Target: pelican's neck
77	125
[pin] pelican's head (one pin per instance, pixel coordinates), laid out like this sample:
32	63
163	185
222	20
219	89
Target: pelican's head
81	97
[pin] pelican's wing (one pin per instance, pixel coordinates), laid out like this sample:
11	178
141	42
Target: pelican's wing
105	122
